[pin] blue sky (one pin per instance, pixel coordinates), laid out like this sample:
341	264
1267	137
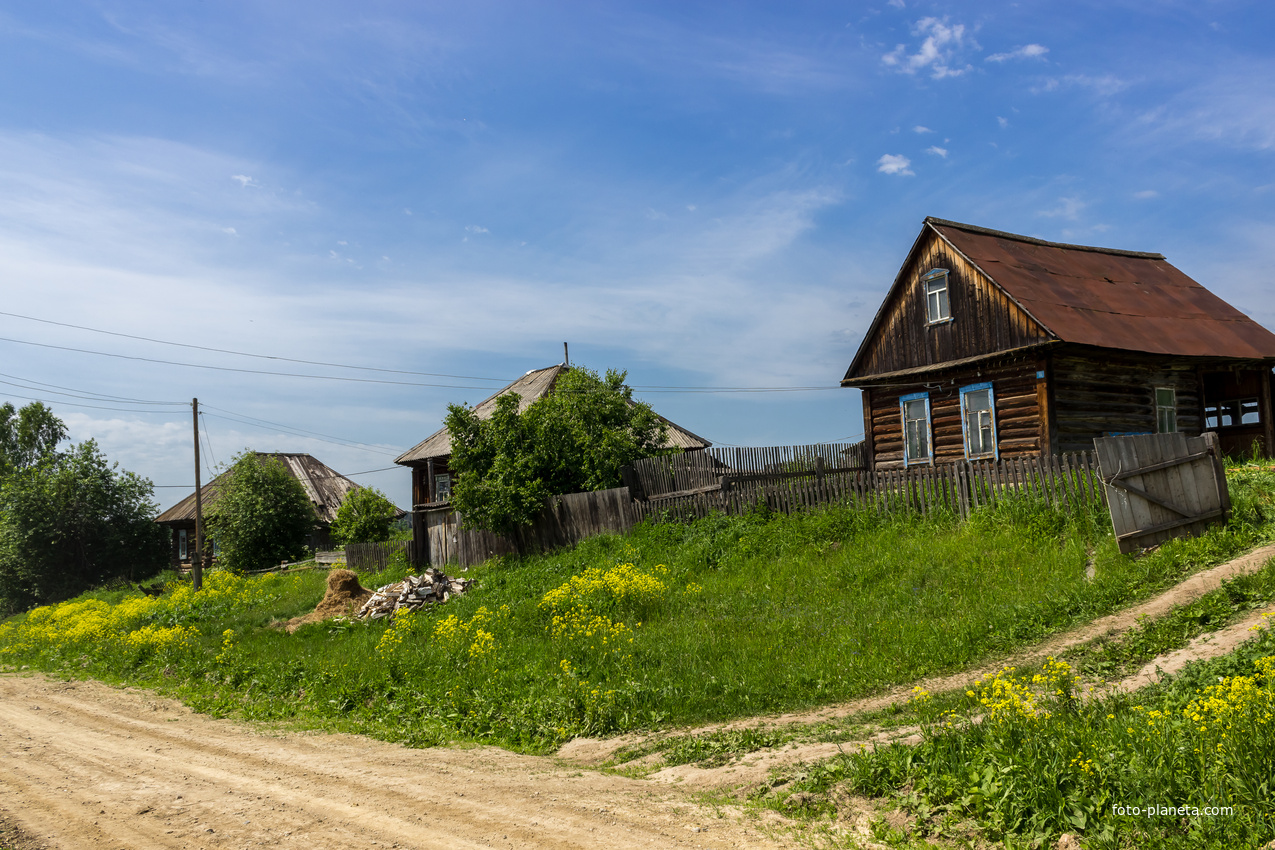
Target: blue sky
706	195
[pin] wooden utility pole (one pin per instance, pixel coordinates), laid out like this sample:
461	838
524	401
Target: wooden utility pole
197	558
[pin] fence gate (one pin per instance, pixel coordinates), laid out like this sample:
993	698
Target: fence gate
1161	486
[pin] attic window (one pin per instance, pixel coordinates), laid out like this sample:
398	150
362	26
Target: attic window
442	487
936	304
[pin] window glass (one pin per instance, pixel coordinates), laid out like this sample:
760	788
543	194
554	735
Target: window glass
181	544
1210	416
916	428
978	421
936	304
442	487
1166	410
1249	412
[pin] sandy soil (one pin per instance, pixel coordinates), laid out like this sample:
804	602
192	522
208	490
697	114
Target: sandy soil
88	766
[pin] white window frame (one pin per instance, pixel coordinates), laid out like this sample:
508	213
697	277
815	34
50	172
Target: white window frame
1169	410
928	458
182	548
936	287
990	411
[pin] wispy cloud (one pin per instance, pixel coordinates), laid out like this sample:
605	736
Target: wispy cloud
939	51
921	129
1068	208
244	180
1230	111
1146	194
894	163
1103	85
1027	51
476	228
937	151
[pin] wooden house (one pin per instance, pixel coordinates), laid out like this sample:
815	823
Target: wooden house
428	460
326	488
992	345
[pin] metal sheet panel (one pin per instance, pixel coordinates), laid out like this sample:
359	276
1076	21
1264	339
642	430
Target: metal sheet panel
1112	299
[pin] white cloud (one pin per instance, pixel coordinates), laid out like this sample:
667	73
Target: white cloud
230	231
1068	208
1027	51
244	180
937	151
937	53
893	163
921	129
1146	194
898	4
1103	85
474	228
1002	121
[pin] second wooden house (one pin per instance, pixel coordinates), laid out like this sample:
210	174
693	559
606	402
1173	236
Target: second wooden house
992	345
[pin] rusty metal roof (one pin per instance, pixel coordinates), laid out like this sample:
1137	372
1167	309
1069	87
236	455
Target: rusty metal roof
325	487
531	387
1104	297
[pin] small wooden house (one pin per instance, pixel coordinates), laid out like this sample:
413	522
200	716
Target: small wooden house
326	488
428	460
992	345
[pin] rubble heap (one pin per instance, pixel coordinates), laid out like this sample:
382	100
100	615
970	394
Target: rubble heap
413	593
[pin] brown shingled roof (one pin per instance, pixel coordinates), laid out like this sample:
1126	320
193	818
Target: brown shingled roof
530	387
1104	297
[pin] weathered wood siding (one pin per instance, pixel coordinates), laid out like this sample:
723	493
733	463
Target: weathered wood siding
1019	424
1107	394
984	319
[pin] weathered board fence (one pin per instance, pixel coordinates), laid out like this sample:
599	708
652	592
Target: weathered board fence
566	520
1066	479
1070	479
694	472
1161	486
374	556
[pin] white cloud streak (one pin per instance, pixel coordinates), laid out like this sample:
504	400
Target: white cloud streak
938	53
1027	51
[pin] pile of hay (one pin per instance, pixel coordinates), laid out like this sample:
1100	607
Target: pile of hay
345	595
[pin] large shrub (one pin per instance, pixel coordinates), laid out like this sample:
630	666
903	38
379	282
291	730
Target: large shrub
72	521
573	440
366	516
261	514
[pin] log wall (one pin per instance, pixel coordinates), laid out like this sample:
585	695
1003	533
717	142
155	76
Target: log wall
1104	394
984	319
1018	412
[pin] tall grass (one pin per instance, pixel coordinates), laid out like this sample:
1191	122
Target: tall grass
670	624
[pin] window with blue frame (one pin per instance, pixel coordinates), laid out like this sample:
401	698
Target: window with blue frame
978	421
915	410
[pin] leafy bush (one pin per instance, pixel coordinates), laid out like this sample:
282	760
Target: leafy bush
366	516
261	515
573	440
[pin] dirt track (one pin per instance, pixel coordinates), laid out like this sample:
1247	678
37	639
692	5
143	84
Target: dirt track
86	766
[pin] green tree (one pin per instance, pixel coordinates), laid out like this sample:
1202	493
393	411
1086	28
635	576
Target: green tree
366	516
260	514
27	436
573	440
73	521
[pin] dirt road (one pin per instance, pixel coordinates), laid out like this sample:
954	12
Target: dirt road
83	765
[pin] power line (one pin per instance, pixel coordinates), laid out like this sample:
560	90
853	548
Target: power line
89	395
89	406
250	354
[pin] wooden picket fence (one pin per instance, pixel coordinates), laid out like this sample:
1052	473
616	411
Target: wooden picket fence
1065	480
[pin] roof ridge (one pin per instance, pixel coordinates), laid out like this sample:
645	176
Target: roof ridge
1031	240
